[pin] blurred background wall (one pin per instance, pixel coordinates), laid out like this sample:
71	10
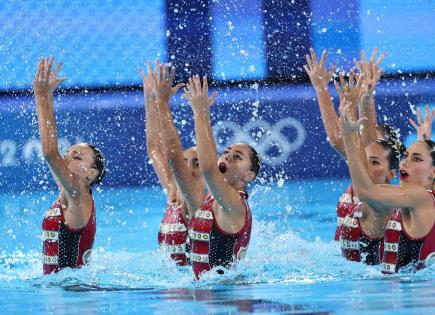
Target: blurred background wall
253	51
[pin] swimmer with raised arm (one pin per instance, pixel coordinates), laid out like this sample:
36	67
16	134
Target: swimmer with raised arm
409	238
320	77
69	225
220	229
363	227
162	138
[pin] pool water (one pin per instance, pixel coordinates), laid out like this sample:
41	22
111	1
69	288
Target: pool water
292	265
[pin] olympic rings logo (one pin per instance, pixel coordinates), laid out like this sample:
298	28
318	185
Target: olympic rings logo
269	141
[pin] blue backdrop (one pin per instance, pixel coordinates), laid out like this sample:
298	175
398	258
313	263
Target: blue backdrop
102	42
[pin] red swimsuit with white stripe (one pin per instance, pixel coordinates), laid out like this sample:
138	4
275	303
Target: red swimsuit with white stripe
210	246
347	203
62	246
400	249
357	245
173	234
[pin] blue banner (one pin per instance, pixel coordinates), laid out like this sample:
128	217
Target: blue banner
283	123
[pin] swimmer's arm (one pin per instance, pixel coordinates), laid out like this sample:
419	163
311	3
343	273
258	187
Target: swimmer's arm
367	109
372	73
155	150
153	137
330	121
192	192
170	140
320	77
43	88
226	196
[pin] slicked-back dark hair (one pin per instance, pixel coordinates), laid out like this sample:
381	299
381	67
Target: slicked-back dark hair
99	164
431	146
393	153
392	135
255	161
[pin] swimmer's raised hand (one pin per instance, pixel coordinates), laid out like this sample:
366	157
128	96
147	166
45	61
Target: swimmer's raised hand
319	75
371	70
197	94
148	81
163	83
46	82
347	124
423	126
349	92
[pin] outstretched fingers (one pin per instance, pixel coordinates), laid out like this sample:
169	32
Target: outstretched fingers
142	74
418	114
359	81
413	123
205	84
342	81
339	90
374	53
212	98
351	80
313	57
191	87
177	87
309	65
56	71
323	58
381	58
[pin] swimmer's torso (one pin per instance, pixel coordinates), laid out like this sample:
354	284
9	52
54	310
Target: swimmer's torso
355	244
62	246
400	249
210	246
347	203
173	234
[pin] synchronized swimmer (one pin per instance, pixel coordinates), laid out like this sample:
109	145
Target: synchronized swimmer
207	223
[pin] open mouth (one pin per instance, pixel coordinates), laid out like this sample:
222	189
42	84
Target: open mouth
222	167
404	175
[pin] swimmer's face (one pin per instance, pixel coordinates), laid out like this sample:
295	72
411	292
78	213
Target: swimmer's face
80	160
191	158
416	166
379	164
235	164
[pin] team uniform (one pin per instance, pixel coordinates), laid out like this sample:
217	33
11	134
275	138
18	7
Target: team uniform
357	245
346	204
172	235
400	249
63	246
210	246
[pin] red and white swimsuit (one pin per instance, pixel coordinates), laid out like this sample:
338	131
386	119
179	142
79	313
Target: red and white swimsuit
347	203
400	249
210	246
173	234
62	246
355	244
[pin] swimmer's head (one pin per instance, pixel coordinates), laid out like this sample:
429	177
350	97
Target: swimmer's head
418	164
383	161
87	162
240	164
